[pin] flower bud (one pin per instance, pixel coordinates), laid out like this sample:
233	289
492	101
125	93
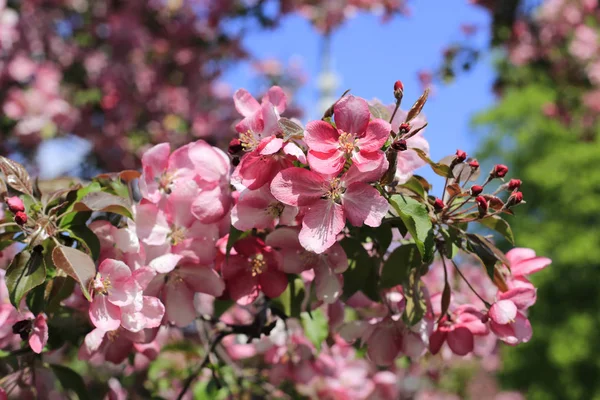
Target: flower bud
460	156
499	171
515	198
514	184
15	204
20	218
476	190
398	90
474	164
404	127
482	204
399	145
235	146
438	204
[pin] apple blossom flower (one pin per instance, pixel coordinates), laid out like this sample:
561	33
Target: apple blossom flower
326	202
259	209
355	137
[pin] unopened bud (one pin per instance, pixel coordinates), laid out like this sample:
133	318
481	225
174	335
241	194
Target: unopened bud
15	204
404	127
514	184
398	90
399	145
474	164
235	146
482	204
20	218
476	190
438	204
515	198
460	156
499	171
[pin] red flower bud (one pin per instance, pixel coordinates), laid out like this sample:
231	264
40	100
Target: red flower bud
438	205
476	190
399	145
235	146
404	127
515	198
20	218
482	204
514	184
474	164
15	204
398	86
398	90
460	156
499	171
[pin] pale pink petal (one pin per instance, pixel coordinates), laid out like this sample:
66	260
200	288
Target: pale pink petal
297	186
330	163
154	163
270	145
295	151
245	103
270	120
165	263
39	334
327	284
337	259
273	282
202	279
385	343
460	340
153	311
104	315
354	330
277	97
114	270
151	224
255	170
183	194
321	136
180	164
530	266
94	339
320	226
522	297
288	216
503	312
252	210
351	114
377	133
179	303
284	238
519	254
364	204
514	333
122	293
210	205
210	163
369	161
412	345
143	276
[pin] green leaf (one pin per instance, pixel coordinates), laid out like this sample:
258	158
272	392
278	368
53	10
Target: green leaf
102	201
378	110
35	299
415	303
57	290
486	252
397	268
361	273
316	328
25	272
77	265
70	380
416	186
415	216
452	242
291	130
87	238
382	236
500	225
290	301
440	169
234	235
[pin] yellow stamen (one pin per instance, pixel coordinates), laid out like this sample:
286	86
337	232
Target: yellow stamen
258	265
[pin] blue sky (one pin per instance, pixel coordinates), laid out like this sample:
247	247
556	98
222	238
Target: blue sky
369	56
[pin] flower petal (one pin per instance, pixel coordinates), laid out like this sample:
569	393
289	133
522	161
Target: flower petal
503	312
377	133
277	97
201	279
297	186
165	263
39	334
530	266
364	204
153	311
330	163
461	341
351	114
245	103
292	149
179	303
320	226
321	136
103	314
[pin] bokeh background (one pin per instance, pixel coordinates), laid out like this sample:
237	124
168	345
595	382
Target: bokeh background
86	86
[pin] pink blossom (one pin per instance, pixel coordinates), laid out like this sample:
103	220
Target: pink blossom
251	269
39	334
458	332
259	209
327	202
328	266
355	137
119	299
113	346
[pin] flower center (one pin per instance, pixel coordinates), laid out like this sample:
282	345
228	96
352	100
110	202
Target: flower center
177	236
112	335
335	190
101	285
347	142
275	209
248	140
258	265
165	181
308	259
